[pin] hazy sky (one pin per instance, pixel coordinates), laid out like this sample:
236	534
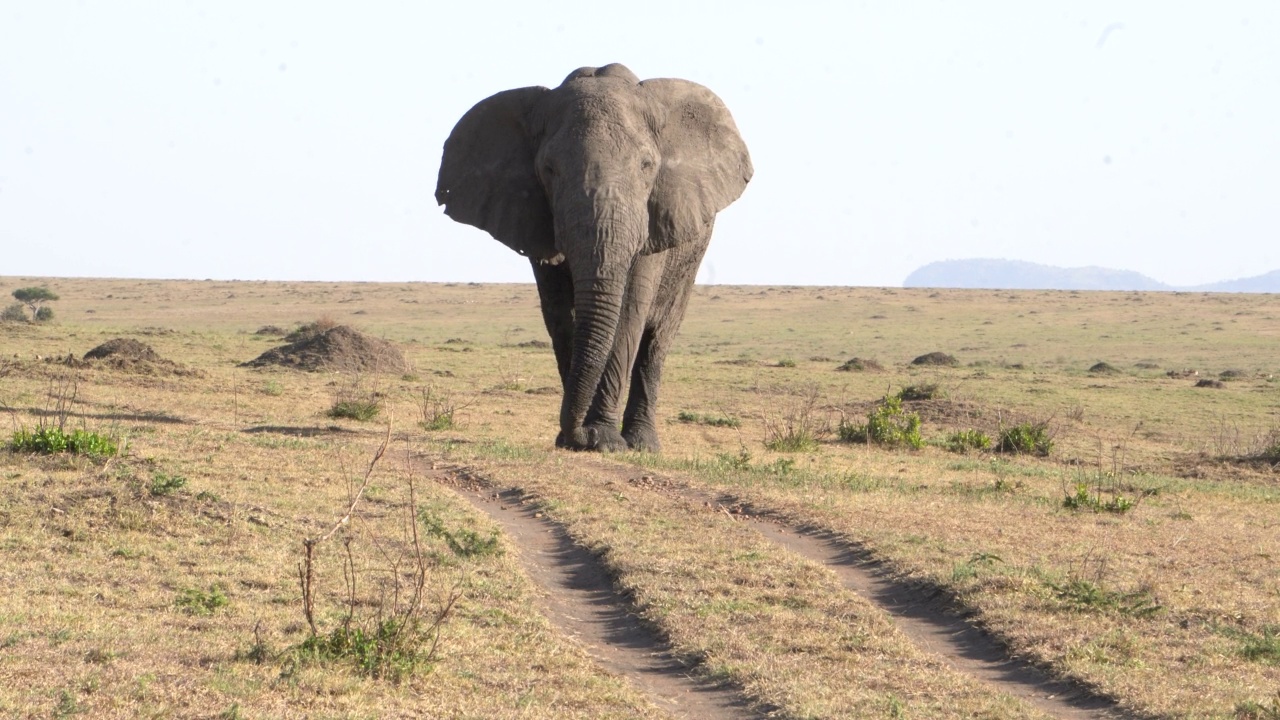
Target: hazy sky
291	140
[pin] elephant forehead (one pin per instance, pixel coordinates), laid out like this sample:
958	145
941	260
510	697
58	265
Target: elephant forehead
587	104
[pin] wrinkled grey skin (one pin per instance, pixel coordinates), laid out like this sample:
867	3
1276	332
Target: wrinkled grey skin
610	186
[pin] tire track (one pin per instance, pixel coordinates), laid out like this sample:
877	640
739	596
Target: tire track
925	618
581	600
929	625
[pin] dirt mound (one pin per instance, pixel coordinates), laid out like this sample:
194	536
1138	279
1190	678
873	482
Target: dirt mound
129	356
1104	368
936	358
857	364
1210	383
126	348
340	348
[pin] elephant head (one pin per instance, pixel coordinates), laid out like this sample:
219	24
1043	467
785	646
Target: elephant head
595	176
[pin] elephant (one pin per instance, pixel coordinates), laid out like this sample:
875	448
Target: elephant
610	186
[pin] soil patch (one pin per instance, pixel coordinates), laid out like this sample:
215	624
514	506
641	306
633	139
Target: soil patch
337	349
936	358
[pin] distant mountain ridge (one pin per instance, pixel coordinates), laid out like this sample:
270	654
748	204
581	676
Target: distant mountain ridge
1019	275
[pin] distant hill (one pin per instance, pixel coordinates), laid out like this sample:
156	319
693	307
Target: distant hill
1266	283
1019	275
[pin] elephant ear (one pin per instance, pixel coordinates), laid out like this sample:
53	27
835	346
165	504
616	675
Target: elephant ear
487	177
705	163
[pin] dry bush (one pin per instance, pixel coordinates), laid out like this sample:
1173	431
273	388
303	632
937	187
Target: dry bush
797	424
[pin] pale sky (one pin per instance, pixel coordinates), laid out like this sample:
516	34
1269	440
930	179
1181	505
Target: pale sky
301	141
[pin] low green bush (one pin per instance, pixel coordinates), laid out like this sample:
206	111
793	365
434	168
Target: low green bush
962	441
1026	438
887	424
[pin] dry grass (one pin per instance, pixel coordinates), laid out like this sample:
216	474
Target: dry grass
1157	606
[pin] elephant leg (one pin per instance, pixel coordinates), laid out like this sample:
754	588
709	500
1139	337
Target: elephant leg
639	420
602	417
555	293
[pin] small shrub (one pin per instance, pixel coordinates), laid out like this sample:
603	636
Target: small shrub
13	313
1026	438
437	409
887	424
52	440
354	400
729	461
796	427
1082	499
786	363
195	601
44	314
792	439
393	648
162	484
927	391
962	441
272	388
356	409
851	432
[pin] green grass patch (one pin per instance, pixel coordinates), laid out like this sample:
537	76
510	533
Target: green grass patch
693	418
53	440
1086	596
463	542
163	484
195	601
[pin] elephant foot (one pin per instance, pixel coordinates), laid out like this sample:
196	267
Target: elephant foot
644	439
602	438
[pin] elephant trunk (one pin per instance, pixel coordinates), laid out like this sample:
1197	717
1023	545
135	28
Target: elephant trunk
597	309
601	269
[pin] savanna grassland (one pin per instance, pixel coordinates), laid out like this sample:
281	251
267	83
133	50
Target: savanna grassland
1134	553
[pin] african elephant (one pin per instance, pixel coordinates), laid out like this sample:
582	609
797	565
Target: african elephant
610	186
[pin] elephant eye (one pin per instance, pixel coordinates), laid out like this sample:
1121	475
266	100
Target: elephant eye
547	170
646	164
